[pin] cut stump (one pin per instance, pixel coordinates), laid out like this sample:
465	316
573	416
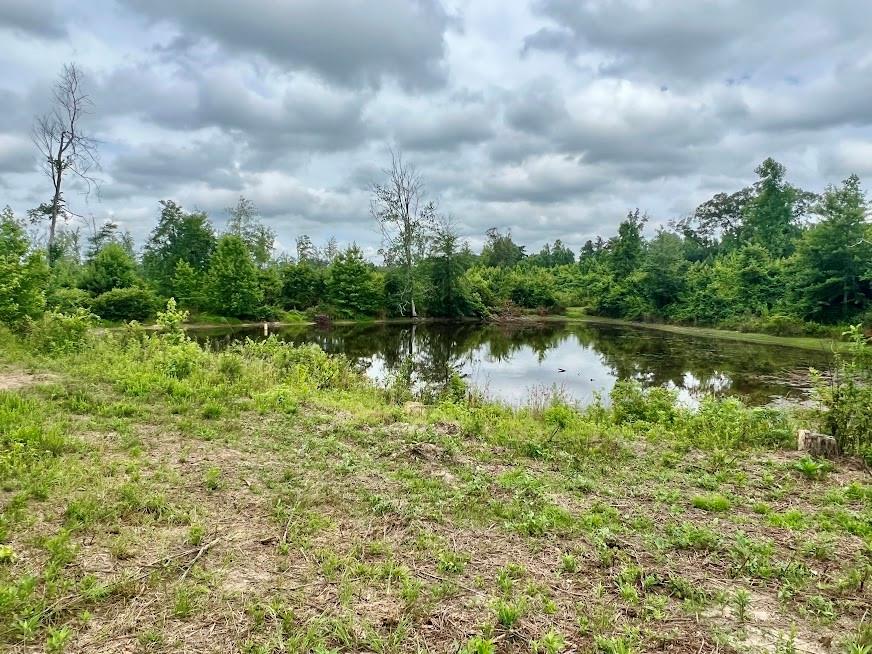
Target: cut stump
816	444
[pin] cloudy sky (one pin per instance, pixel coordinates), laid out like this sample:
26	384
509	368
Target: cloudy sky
548	117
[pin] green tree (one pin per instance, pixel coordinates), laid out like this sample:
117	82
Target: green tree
501	251
302	285
833	259
625	250
771	216
245	223
232	279
189	286
449	296
306	250
23	273
406	219
178	236
352	285
665	268
111	267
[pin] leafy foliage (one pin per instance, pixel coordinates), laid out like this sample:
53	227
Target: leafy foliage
126	304
232	279
23	273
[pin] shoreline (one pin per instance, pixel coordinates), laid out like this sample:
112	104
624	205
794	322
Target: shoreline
817	343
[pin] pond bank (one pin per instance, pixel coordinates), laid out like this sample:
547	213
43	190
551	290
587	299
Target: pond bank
818	343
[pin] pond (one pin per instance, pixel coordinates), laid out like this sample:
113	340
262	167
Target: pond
513	362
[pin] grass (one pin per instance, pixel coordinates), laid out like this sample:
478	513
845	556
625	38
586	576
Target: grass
803	342
155	497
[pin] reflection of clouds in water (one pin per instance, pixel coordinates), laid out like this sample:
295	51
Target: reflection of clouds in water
508	364
717	382
514	377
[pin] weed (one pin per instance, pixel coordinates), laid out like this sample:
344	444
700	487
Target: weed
741	601
57	639
478	645
508	613
552	642
568	562
195	534
714	503
811	469
212	478
451	562
614	645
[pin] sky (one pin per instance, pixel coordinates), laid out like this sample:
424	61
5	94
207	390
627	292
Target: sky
549	118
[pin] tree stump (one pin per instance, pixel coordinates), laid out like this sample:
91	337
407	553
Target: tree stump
816	444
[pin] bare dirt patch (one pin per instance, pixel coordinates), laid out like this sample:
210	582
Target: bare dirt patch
11	380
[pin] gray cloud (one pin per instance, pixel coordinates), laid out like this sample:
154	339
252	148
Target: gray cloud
16	154
548	117
350	43
161	168
40	19
720	39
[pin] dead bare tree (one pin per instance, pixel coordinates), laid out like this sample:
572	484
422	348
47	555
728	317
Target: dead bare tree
406	219
64	147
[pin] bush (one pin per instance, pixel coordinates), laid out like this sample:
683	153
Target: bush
848	397
727	423
306	366
777	325
60	333
632	403
67	300
126	304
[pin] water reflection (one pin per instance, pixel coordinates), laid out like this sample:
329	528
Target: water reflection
585	359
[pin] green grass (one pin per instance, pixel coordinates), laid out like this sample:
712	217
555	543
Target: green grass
819	343
714	503
152	490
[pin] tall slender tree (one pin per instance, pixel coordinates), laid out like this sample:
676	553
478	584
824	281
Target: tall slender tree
244	222
64	146
406	219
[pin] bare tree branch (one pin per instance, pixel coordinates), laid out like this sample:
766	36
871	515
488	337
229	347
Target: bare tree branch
406	220
64	147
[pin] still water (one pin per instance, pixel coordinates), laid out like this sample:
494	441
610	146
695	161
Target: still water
511	362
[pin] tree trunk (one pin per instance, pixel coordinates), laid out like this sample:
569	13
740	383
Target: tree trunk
55	210
845	298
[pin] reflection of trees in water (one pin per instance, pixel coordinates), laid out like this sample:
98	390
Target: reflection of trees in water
653	358
696	364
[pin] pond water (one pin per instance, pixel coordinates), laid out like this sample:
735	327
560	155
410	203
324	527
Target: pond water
513	362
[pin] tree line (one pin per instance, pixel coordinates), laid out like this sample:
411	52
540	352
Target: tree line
770	256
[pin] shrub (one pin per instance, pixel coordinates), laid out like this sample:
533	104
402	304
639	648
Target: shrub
126	304
727	423
67	300
171	321
305	366
848	397
60	333
632	403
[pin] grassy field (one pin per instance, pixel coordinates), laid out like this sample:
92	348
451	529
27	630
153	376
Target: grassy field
159	498
804	342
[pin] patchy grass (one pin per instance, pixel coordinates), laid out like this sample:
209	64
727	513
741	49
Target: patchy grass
160	498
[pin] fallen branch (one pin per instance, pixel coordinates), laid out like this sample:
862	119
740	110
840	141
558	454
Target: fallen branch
205	548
